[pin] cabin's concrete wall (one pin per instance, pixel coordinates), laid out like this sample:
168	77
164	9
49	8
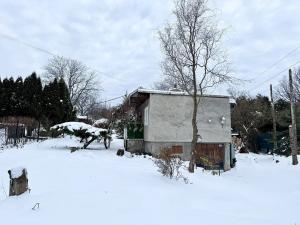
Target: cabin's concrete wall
170	123
170	119
227	161
155	147
134	145
141	110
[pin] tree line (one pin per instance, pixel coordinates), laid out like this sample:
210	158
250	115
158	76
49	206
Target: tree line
70	87
251	117
28	98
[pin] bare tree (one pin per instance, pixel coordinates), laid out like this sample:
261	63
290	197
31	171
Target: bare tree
165	84
81	81
283	92
236	94
86	104
194	59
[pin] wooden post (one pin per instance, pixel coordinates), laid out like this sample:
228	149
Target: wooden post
18	181
293	128
274	120
16	133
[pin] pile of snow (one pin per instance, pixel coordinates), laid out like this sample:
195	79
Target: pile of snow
78	126
97	187
2	136
17	172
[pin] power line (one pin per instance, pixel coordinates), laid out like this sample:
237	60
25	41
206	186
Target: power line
45	51
27	44
112	99
269	79
278	61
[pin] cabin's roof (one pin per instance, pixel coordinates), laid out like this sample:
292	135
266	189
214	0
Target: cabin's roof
161	92
140	95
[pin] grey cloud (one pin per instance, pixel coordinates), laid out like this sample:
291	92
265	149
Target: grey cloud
119	38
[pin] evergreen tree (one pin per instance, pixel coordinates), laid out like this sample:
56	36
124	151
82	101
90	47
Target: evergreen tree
18	97
67	111
7	94
1	98
49	102
57	105
33	96
51	105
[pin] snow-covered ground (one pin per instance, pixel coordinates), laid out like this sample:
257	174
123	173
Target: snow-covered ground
2	137
97	187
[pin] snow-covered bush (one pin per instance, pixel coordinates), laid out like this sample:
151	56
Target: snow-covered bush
169	165
85	132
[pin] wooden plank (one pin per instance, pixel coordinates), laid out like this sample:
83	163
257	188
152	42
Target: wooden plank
175	150
213	152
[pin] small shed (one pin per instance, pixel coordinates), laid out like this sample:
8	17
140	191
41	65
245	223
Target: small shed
163	120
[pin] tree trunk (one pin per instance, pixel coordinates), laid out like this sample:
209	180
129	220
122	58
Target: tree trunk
89	142
195	135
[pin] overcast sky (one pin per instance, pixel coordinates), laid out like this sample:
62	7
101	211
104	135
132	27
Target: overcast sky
119	38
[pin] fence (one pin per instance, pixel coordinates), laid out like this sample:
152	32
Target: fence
16	133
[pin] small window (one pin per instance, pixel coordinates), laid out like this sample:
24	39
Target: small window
146	116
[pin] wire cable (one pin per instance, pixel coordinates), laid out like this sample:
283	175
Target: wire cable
269	79
45	51
112	99
26	44
277	62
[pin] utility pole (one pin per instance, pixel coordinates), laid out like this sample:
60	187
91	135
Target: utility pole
293	128
274	120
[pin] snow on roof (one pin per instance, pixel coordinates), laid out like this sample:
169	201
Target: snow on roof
153	91
232	101
82	117
72	126
16	172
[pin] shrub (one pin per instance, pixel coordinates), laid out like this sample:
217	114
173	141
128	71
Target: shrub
169	165
283	147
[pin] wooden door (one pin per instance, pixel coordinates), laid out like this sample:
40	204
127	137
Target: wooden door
214	153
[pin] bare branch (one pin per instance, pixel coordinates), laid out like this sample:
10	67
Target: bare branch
81	81
194	59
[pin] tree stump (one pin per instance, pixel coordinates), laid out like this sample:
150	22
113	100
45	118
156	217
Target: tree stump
18	181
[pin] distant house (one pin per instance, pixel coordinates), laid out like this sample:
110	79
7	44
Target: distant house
83	119
102	123
163	121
